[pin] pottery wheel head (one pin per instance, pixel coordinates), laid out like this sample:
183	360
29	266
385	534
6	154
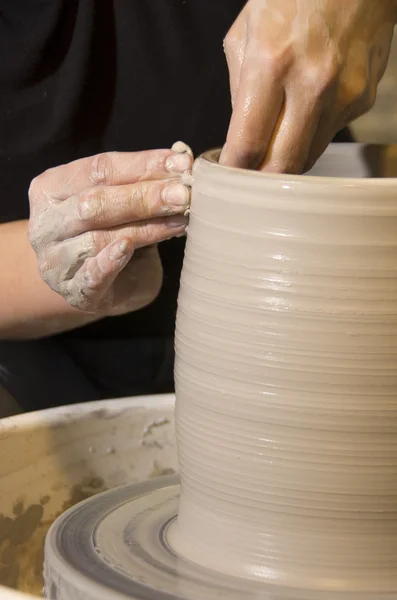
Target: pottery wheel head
114	547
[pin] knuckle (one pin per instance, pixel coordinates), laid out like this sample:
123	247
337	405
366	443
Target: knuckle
322	76
96	240
119	200
144	165
36	187
277	61
101	168
331	68
148	162
231	42
90	205
139	197
91	284
146	234
355	88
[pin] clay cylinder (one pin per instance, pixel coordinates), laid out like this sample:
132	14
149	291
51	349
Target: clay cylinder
286	374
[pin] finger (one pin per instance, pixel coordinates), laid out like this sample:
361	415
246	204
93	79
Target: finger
110	206
94	279
234	46
325	134
144	233
111	168
69	255
355	96
293	136
258	104
66	258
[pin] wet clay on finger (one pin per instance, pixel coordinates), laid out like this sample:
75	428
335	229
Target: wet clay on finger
286	374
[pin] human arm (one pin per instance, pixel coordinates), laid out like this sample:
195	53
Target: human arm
301	70
28	307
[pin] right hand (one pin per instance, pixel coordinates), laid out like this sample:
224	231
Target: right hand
94	224
300	71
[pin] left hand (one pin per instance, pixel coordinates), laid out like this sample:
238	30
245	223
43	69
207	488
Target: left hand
301	70
95	222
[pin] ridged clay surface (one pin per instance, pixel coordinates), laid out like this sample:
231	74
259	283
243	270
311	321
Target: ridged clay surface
286	374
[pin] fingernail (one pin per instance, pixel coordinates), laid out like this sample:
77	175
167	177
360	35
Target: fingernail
118	250
181	147
177	222
178	163
175	194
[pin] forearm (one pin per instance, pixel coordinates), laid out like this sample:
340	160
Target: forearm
28	307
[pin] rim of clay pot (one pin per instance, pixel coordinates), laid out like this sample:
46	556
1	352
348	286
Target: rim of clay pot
211	157
85	409
350	196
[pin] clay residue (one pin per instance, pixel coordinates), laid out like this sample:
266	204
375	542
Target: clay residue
22	535
154	424
101	413
158	470
149	437
112	435
22	538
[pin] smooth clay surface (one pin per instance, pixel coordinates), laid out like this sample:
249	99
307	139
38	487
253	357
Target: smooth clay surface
286	374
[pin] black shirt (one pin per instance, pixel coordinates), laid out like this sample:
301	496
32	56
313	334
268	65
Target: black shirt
82	77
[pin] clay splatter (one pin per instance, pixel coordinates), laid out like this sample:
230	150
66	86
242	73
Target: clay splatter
158	470
153	425
22	538
149	433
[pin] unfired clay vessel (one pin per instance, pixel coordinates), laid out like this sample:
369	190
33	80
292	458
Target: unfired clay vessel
286	374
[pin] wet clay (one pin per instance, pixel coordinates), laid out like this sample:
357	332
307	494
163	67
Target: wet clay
286	374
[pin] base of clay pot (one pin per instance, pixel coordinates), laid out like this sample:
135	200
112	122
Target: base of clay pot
117	546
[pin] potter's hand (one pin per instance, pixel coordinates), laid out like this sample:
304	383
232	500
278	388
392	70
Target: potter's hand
94	221
300	70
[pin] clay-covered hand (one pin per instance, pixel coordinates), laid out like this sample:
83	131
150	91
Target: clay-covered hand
300	70
94	224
